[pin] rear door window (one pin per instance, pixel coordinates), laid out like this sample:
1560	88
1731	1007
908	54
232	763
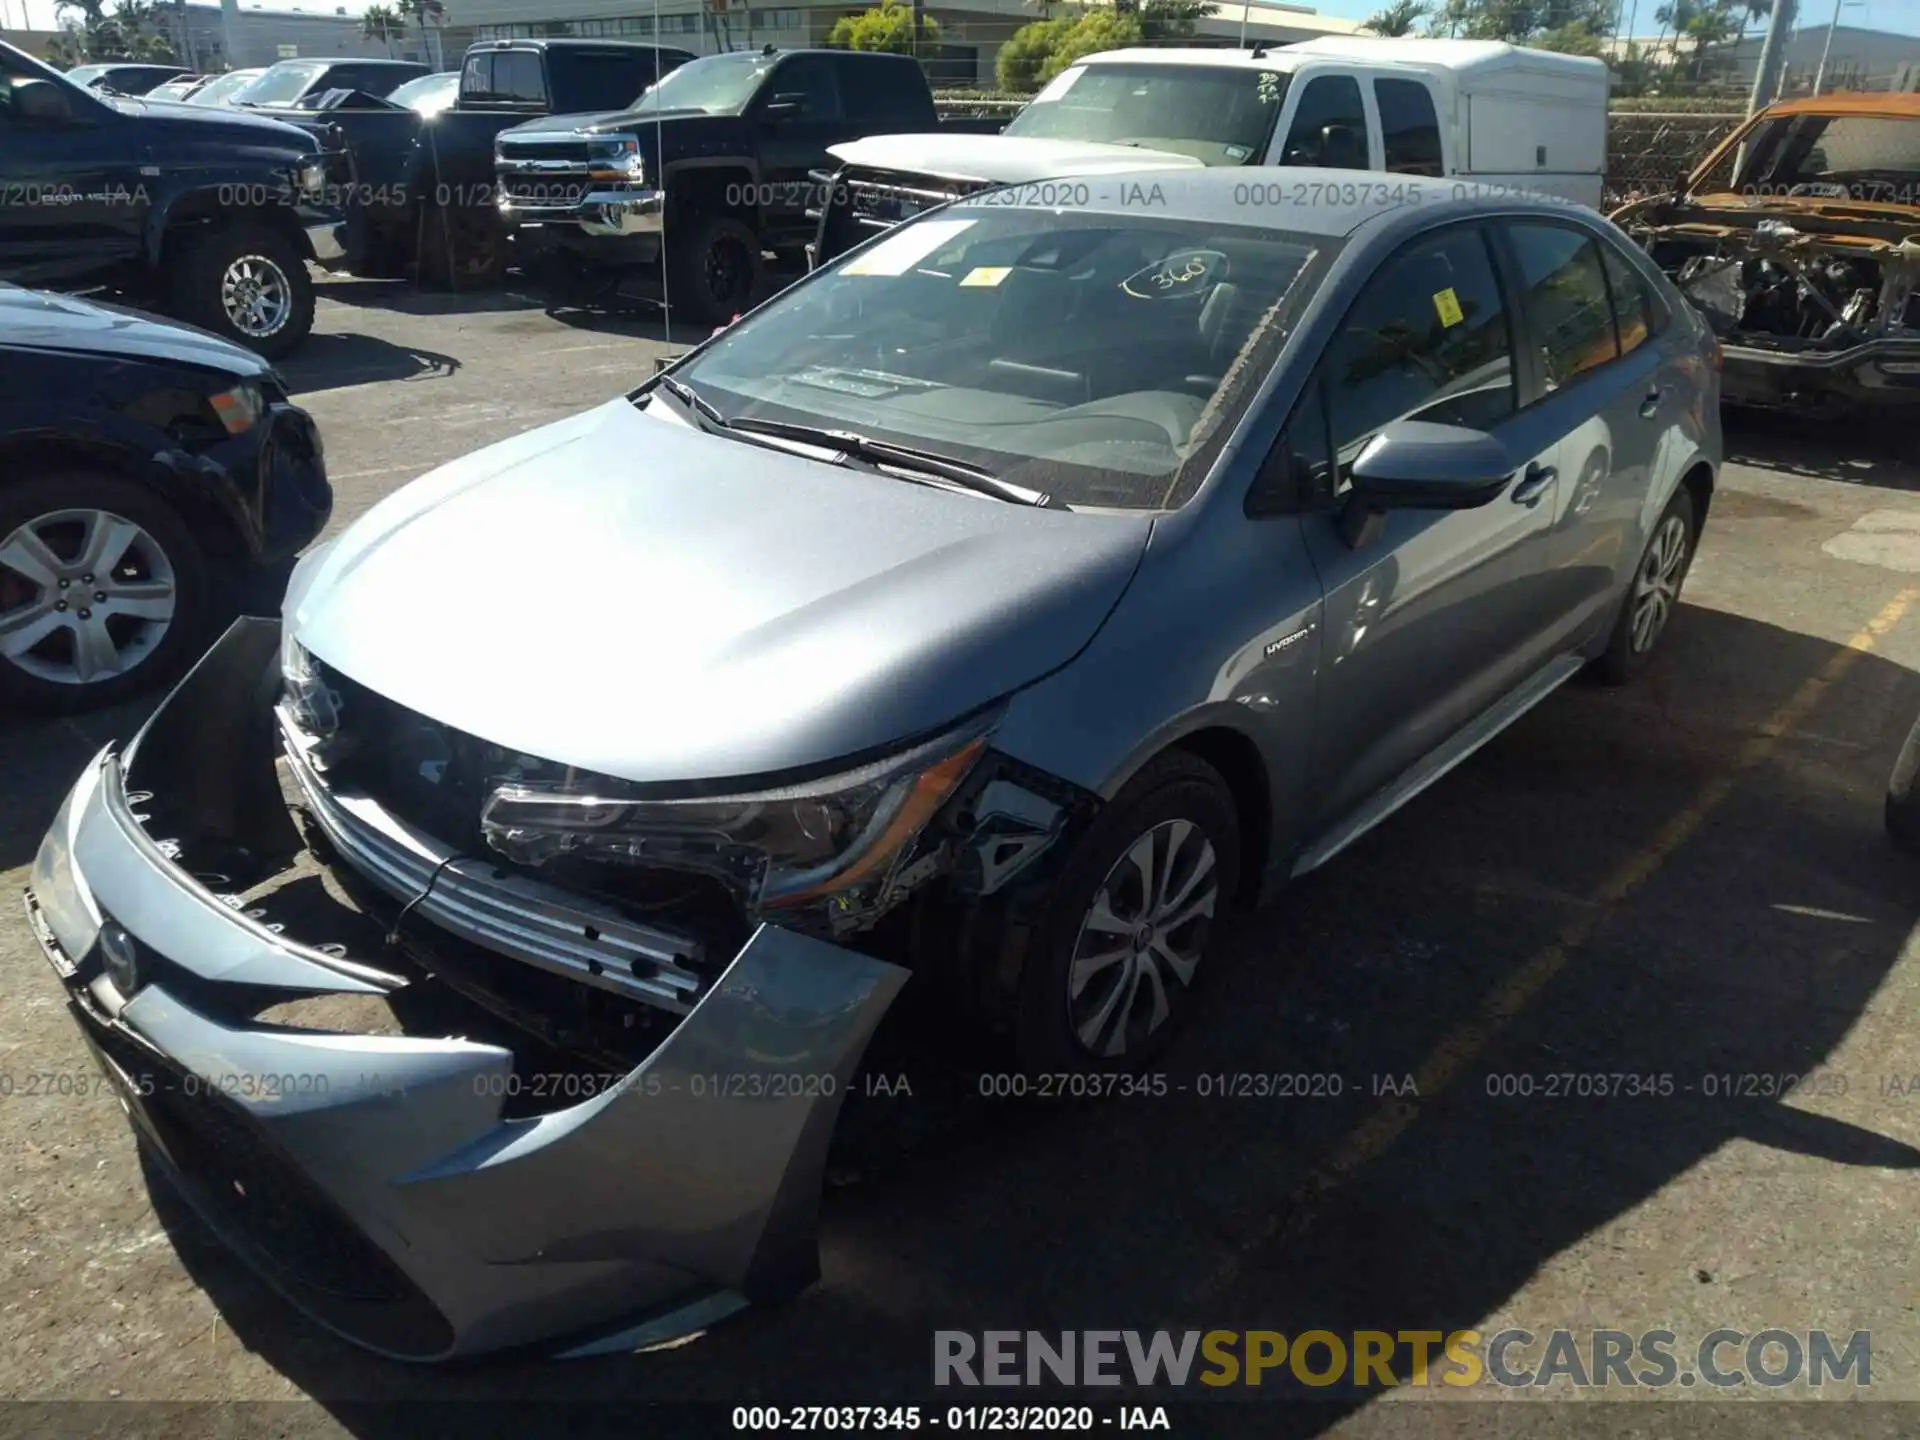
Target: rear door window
1637	312
1569	310
1409	129
1330	126
476	77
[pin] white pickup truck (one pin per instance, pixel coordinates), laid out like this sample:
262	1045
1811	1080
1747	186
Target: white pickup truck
1478	110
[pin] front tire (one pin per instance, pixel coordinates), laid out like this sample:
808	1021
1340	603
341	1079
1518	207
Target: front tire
714	269
1128	926
1653	594
246	283
103	592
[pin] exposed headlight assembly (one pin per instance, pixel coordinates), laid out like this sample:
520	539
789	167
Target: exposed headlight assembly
312	703
841	837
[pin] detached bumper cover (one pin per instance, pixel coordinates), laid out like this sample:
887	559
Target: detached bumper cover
372	1178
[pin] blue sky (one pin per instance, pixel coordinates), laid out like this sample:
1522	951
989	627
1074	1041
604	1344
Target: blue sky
1900	15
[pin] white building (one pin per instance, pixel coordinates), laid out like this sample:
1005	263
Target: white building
971	32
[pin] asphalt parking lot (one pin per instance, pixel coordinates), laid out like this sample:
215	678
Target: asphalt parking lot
1687	877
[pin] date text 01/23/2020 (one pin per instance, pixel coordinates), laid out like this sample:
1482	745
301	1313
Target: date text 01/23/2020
1000	1418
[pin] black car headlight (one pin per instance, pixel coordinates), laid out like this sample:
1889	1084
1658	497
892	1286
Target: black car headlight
776	848
616	158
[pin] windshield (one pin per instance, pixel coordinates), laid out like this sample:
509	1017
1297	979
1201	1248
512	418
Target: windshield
718	84
1858	157
86	74
221	89
280	84
172	90
429	94
1219	116
1092	356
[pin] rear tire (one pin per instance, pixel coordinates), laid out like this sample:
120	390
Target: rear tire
713	266
1653	593
246	283
461	249
159	567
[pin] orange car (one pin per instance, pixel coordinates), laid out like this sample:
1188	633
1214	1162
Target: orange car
1799	240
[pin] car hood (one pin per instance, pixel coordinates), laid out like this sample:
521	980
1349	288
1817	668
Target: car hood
216	122
1002	159
625	594
560	127
37	320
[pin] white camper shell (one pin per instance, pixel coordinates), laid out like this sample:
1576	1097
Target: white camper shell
1477	111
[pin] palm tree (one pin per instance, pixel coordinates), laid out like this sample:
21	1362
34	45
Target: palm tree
430	16
383	23
1398	18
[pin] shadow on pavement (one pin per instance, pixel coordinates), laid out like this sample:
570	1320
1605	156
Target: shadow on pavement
326	361
1439	947
1874	450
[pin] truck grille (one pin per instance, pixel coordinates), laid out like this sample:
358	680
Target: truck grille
518	151
879	200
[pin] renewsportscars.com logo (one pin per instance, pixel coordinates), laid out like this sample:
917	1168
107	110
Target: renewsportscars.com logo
1381	1359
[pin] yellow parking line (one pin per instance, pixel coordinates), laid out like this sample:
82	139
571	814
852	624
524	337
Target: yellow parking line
1377	1133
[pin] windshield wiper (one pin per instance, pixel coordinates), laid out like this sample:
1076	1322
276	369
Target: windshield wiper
688	398
853	444
902	457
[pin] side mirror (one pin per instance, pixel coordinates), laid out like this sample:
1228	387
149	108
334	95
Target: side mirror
782	108
41	102
1419	465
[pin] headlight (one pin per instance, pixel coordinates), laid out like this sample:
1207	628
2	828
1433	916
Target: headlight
775	848
239	407
616	157
314	706
311	177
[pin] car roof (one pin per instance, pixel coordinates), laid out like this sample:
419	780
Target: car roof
1304	201
1893	104
572	42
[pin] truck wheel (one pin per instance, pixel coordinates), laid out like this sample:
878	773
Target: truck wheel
246	283
714	269
102	591
462	249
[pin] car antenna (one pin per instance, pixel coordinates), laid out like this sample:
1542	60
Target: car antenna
1259	50
768	50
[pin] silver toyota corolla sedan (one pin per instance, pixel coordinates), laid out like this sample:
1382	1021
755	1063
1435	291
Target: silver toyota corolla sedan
486	945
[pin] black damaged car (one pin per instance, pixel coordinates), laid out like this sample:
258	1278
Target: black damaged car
152	477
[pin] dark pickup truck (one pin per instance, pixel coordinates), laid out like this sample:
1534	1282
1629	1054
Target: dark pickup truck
711	167
418	189
209	215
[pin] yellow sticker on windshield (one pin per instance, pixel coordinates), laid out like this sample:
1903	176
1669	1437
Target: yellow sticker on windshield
986	275
1447	305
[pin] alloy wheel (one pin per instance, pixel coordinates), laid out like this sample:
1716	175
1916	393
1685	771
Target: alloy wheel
725	271
84	595
1142	936
1656	585
256	296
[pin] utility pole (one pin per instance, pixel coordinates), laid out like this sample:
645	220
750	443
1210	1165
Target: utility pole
1773	56
1820	75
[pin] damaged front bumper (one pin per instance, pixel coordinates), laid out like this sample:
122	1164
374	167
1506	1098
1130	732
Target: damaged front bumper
381	1180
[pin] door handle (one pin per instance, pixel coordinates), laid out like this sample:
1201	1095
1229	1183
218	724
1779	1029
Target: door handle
1650	403
1534	483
